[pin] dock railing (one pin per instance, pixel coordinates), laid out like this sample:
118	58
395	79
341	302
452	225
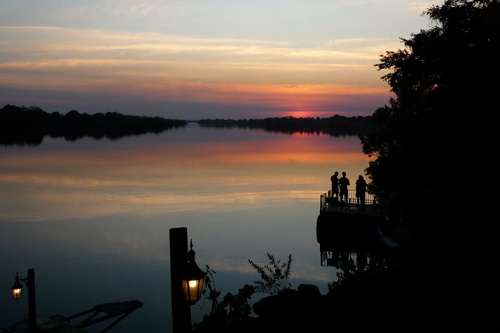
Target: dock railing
329	203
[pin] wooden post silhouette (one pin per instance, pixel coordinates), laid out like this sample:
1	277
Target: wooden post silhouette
181	311
30	281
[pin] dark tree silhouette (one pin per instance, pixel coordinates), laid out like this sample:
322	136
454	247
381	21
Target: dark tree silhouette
437	142
28	126
335	126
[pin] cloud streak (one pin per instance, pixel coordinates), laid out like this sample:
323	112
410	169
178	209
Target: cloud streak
184	68
55	41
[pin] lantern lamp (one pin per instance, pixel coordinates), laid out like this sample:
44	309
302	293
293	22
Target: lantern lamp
17	288
192	279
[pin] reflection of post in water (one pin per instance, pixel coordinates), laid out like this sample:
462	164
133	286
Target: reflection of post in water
349	260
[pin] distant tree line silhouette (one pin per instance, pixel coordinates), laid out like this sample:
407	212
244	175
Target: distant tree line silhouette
20	125
335	126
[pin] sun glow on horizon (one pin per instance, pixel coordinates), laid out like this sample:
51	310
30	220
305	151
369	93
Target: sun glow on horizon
312	114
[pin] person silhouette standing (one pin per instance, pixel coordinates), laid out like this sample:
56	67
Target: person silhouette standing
344	183
335	184
361	190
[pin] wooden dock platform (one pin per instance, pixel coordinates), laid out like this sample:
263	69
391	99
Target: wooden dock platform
329	203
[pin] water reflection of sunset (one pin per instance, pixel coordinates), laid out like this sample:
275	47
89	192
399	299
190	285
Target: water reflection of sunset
240	193
168	177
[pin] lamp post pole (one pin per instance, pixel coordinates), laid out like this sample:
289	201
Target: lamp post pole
30	281
181	312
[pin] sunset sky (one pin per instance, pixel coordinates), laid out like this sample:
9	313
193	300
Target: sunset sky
193	59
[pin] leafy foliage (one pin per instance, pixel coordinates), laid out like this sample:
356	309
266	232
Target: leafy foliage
442	119
231	314
274	277
436	142
213	294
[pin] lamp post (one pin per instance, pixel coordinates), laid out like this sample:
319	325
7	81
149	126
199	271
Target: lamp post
186	280
17	289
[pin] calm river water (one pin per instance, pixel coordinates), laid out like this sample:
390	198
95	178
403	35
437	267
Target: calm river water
92	217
